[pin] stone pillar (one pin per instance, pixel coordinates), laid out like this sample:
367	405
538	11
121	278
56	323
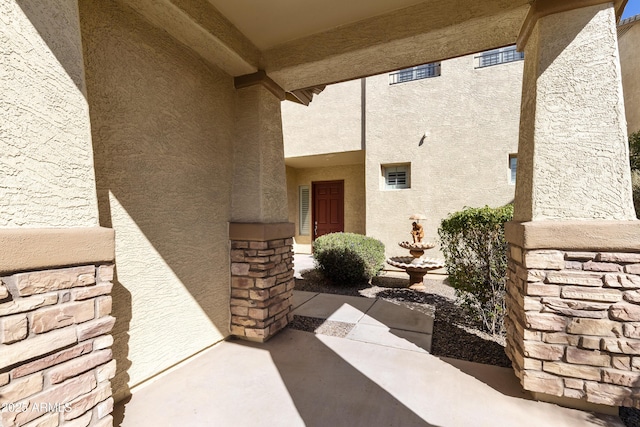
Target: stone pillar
55	304
261	239
574	310
573	252
261	279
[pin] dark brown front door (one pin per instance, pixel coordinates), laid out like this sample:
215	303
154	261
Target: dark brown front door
328	207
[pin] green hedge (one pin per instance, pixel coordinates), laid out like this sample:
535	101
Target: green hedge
634	160
475	254
348	258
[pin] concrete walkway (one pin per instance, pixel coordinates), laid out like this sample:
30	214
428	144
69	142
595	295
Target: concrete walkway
374	321
302	263
304	379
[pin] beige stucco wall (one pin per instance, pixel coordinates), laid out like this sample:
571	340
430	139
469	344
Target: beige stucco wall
333	117
354	197
630	63
573	126
470	117
259	183
162	124
45	138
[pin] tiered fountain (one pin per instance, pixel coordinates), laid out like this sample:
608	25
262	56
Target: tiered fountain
416	265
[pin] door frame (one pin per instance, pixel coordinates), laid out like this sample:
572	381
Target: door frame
313	205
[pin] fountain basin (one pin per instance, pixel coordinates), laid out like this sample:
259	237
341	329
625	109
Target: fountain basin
418	246
416	268
416	264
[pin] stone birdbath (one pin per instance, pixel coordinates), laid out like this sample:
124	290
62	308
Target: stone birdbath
416	265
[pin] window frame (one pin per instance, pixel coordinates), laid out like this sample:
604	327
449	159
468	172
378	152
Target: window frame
513	171
304	224
503	55
387	169
419	72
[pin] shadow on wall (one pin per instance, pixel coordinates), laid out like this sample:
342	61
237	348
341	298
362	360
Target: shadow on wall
48	26
122	313
162	125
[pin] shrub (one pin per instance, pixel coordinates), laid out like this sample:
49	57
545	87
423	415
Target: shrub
634	151
636	193
347	258
475	254
634	161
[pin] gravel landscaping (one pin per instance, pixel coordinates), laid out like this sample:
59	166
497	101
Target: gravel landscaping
454	333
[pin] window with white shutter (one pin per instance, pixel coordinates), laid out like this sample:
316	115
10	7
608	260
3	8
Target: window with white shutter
513	167
305	211
396	176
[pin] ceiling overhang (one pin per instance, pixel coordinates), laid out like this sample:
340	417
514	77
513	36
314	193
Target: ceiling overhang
302	44
404	38
326	160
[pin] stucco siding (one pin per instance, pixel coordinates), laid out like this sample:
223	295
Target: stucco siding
630	63
259	183
456	132
573	123
45	137
163	125
470	118
334	117
354	197
293	199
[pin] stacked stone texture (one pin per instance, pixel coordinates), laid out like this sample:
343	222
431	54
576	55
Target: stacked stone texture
55	355
261	287
573	322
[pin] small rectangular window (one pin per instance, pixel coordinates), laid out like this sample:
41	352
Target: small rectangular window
396	176
305	211
498	56
415	73
513	166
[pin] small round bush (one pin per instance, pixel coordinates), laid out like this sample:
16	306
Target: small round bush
348	258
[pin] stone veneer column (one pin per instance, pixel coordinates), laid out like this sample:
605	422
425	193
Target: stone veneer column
574	257
573	319
261	238
261	279
55	305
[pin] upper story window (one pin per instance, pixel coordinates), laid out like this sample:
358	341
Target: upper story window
415	73
498	56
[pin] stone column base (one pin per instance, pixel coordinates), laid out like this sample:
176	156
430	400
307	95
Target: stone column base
261	279
573	309
55	344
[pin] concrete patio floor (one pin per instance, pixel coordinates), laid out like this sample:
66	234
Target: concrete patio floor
373	320
304	379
